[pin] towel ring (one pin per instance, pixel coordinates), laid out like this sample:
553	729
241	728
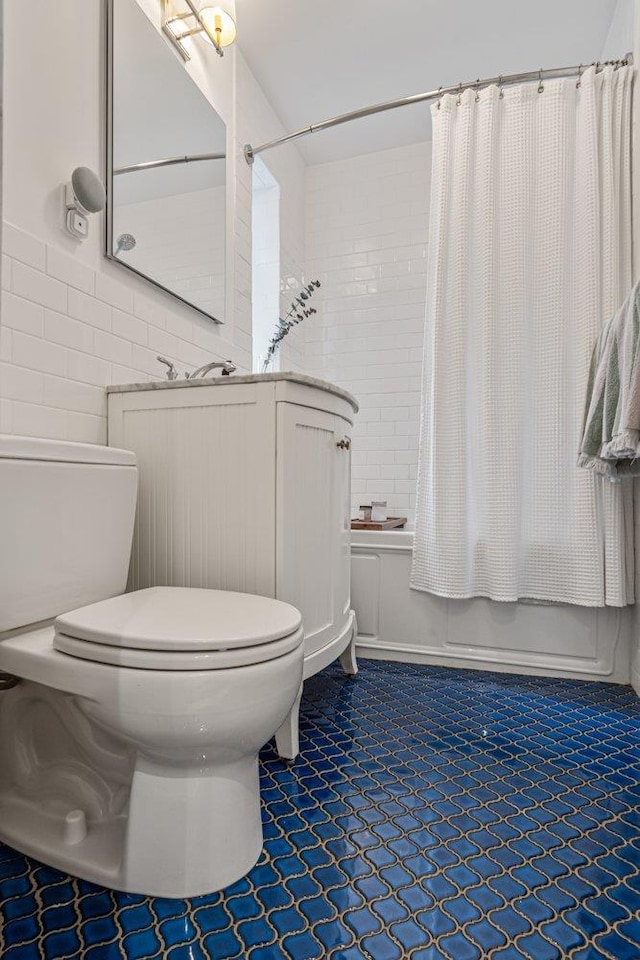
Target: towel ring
540	83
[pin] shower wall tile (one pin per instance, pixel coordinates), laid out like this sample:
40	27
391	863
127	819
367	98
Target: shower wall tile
366	229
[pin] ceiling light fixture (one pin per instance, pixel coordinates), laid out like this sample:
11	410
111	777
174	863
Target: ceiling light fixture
213	20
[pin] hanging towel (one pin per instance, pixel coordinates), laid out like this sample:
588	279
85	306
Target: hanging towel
611	438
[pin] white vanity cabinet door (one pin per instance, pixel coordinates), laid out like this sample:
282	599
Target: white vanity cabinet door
312	533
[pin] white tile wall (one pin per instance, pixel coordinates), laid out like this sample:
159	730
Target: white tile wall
366	229
68	330
265	280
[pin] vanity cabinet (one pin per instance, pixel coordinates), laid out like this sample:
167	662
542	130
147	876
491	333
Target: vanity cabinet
244	484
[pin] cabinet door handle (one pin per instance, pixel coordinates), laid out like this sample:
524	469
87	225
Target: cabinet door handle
344	444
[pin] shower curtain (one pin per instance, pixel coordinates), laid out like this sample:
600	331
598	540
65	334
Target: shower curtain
530	252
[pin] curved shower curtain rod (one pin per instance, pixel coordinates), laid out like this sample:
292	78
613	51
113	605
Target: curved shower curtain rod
507	80
167	162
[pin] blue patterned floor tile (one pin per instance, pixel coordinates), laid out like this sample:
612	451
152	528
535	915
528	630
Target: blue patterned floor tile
145	943
224	945
617	946
255	933
459	947
362	922
382	947
402	831
302	945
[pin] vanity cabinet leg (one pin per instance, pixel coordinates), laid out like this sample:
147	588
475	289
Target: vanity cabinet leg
348	656
287	736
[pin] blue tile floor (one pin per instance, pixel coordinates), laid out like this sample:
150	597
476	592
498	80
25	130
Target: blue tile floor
433	813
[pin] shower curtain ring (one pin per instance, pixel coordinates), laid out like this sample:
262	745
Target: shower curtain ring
439	98
579	83
540	83
477	90
459	100
501	96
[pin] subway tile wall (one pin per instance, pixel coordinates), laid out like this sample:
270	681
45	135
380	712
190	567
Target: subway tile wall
366	230
68	330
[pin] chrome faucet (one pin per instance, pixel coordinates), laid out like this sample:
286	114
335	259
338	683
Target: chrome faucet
226	366
172	373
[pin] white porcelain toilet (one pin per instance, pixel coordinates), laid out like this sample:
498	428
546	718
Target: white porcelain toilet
129	745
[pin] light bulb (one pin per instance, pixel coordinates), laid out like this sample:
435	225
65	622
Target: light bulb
219	22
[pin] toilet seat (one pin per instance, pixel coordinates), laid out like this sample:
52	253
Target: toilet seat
180	628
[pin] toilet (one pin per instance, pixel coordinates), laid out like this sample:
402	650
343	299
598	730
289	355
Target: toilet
130	723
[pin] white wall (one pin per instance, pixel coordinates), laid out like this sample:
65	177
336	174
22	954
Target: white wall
265	267
256	125
620	37
72	322
367	243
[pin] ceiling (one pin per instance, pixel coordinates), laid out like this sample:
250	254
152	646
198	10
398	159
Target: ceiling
316	59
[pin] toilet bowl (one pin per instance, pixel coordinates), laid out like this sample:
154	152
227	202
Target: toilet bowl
129	748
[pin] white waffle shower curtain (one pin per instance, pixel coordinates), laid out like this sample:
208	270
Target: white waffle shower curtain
530	252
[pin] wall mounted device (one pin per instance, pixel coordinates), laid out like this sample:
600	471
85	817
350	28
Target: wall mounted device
83	195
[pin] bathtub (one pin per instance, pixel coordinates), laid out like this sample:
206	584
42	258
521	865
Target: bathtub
397	623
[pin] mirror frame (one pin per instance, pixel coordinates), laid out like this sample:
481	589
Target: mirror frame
108	235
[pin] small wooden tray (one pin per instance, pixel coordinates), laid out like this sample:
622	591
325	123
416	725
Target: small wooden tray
389	524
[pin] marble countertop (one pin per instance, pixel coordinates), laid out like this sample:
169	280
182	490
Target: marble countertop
220	381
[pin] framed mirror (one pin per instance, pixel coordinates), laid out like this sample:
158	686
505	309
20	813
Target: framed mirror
166	167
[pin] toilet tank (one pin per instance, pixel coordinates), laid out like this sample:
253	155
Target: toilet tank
66	523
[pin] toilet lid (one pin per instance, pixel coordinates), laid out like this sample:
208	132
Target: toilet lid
181	620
